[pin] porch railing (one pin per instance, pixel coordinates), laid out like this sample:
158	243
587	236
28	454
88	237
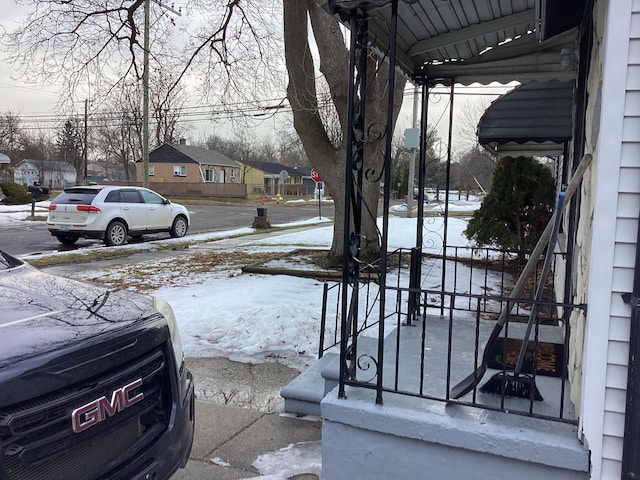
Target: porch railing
431	345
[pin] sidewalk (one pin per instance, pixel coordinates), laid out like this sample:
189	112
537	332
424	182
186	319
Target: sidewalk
238	419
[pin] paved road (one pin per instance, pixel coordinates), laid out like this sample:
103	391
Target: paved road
21	238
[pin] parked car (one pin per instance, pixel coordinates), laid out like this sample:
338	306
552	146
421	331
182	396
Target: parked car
113	213
92	381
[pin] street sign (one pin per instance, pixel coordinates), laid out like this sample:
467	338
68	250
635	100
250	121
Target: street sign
315	176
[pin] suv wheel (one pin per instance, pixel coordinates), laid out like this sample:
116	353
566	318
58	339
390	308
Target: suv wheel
179	227
116	234
67	239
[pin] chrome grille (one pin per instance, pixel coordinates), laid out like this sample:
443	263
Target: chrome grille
37	440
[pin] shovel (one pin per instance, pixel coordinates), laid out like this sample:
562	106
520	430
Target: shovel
473	379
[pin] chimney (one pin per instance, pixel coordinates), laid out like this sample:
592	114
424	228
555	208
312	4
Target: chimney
183	141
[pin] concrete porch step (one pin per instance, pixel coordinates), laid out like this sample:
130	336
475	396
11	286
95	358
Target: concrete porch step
304	393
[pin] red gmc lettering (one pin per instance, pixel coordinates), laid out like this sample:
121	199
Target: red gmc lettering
100	409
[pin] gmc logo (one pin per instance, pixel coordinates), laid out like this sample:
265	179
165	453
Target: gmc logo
102	408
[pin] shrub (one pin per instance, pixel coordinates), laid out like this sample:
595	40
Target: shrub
516	210
15	194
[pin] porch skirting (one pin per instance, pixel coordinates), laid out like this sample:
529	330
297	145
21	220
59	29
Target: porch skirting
416	438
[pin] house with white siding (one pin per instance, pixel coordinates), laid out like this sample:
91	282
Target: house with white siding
55	174
588	424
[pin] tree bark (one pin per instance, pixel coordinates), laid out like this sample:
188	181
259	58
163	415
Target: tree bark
328	158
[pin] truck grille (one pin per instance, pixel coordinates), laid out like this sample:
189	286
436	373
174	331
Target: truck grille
37	440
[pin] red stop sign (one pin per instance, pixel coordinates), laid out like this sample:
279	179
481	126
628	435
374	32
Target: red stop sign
315	176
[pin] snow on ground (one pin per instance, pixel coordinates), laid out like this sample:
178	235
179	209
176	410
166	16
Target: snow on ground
255	317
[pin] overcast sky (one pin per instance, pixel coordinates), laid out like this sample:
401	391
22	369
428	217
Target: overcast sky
16	95
26	100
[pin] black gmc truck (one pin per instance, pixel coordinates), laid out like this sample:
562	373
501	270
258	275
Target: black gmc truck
92	381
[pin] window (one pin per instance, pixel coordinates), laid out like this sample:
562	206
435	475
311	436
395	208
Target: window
179	170
113	197
233	173
151	170
209	175
151	197
130	196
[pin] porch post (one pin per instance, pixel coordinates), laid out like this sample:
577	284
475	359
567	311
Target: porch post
352	199
387	190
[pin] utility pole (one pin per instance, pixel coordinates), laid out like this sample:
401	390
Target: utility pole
86	136
145	99
412	162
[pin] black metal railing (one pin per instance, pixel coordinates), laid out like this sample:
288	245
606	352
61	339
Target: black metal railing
434	337
404	325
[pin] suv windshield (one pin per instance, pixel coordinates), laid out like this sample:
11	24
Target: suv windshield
77	195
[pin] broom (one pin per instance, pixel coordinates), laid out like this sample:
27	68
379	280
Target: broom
519	384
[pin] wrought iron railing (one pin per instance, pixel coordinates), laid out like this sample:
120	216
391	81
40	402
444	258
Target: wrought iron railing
427	350
427	337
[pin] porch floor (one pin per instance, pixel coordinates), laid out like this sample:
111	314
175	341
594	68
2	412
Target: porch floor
313	384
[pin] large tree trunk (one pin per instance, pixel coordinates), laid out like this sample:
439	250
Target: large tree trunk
327	157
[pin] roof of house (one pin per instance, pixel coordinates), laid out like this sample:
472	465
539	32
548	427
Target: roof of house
173	153
274	168
58	165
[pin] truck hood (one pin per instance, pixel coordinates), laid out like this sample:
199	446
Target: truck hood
39	312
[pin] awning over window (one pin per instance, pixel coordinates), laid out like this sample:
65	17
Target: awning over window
532	119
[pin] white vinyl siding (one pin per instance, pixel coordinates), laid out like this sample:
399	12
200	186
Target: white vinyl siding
625	238
615	189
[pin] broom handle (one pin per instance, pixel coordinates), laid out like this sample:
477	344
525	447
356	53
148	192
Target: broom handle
573	185
543	276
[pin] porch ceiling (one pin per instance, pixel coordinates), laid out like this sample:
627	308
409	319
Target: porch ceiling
475	40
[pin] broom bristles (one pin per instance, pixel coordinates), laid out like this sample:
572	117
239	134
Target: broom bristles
510	385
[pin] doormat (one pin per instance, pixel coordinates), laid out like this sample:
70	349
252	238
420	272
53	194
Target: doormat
549	358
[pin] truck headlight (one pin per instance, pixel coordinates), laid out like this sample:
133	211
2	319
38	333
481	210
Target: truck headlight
165	309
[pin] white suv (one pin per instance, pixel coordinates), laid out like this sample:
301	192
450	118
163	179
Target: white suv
111	213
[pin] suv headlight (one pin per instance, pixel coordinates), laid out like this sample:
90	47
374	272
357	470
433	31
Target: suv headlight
165	309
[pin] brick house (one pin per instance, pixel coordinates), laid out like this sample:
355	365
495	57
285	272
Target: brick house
182	163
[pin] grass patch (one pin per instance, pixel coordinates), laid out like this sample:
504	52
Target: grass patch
97	254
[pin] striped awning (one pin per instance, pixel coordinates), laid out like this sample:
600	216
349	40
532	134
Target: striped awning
532	119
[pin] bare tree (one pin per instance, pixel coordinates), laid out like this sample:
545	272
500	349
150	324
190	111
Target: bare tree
118	135
10	133
99	43
290	150
474	171
325	153
467	116
167	100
